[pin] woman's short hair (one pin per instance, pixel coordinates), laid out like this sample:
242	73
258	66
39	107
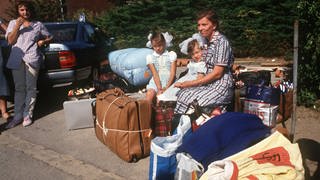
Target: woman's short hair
211	15
27	4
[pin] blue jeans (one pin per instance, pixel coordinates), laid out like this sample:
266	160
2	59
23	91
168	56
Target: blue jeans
25	82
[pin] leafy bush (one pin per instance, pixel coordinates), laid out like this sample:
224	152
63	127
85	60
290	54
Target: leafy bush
255	28
309	43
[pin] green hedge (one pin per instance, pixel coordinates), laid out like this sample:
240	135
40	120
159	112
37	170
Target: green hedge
255	28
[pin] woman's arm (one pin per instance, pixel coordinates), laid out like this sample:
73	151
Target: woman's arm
14	34
172	74
155	76
217	73
47	36
44	41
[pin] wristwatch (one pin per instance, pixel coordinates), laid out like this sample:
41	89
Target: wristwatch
0	21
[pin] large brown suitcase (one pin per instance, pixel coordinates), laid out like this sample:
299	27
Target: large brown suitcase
123	124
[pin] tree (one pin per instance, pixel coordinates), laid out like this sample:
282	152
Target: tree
309	38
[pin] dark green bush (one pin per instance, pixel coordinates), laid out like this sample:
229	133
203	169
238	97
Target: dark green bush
309	44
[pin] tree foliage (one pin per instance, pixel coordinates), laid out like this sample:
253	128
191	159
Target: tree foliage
309	77
255	28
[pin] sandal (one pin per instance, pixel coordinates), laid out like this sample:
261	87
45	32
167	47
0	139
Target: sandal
5	115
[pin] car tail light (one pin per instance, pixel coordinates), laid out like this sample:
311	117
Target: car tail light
67	59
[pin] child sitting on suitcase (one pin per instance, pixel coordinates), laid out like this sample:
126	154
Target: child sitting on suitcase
196	69
162	65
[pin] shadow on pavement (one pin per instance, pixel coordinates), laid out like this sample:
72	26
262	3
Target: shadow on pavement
49	101
310	151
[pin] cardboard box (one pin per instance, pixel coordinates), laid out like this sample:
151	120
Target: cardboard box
266	112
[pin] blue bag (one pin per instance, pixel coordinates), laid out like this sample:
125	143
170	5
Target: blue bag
163	161
223	136
266	94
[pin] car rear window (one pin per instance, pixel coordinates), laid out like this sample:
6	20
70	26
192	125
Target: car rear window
62	32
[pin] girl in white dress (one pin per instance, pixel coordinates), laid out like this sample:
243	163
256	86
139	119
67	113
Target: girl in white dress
162	65
196	69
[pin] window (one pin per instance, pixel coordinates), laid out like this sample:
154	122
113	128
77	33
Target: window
62	33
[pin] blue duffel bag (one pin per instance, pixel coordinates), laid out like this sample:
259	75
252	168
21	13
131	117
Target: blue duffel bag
131	65
223	136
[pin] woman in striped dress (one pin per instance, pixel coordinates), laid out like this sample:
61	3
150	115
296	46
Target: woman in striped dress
216	87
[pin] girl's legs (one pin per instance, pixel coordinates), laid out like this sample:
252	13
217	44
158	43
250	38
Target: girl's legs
151	93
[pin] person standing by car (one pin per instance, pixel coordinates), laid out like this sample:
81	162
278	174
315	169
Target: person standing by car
25	36
4	89
216	88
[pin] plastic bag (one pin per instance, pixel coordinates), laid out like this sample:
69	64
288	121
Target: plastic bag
163	161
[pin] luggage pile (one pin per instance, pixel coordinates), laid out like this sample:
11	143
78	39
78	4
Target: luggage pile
218	149
228	145
257	95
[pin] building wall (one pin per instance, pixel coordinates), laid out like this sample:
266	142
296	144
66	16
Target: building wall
72	6
95	6
4	5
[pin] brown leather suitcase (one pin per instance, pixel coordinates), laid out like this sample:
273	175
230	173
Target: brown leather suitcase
123	124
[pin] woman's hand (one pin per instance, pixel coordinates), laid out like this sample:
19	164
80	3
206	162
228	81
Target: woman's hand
41	43
19	21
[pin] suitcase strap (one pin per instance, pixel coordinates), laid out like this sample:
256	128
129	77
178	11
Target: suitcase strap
105	130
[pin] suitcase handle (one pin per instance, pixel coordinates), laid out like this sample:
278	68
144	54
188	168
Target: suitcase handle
115	92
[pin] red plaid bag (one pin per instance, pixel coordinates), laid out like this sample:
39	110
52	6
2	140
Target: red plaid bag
163	115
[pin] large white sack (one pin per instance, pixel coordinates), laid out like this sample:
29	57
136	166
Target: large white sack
131	64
